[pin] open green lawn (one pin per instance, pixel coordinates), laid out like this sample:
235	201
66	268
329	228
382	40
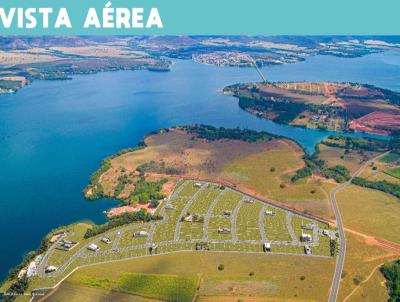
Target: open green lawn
219	222
272	275
395	172
247	221
227	202
371	212
166	287
275	225
191	230
203	201
391	157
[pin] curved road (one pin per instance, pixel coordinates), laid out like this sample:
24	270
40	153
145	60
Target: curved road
342	251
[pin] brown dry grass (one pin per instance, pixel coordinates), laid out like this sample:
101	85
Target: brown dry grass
244	165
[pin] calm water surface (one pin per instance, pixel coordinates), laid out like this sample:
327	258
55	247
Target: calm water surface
53	135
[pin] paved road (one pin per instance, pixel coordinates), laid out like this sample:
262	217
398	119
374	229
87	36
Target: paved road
342	251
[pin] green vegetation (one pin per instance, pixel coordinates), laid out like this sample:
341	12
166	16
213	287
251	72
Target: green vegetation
212	133
395	172
120	220
302	173
16	288
391	157
391	272
147	191
169	288
286	111
10	85
381	185
356	143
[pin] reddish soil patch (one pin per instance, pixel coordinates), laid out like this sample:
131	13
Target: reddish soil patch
125	209
377	122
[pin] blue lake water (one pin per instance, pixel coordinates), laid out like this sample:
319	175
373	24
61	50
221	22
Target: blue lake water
53	135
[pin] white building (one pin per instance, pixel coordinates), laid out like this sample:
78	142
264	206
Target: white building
305	237
269	213
267	247
105	240
92	247
141	234
50	269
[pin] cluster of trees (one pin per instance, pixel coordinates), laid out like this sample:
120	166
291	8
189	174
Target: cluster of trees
15	289
357	143
339	173
213	133
302	173
147	192
119	220
381	185
392	276
286	111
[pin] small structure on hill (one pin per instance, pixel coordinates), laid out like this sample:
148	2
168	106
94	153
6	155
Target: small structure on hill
198	185
307	250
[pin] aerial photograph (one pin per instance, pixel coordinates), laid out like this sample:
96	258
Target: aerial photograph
200	168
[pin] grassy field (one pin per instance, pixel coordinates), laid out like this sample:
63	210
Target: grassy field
73	292
336	156
227	202
268	173
275	225
263	168
165	287
242	276
371	212
363	261
395	172
247	221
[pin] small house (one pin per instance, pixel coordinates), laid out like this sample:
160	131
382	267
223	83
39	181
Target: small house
141	234
227	213
197	185
169	207
308	227
307	250
105	240
92	247
269	213
50	269
305	237
224	230
267	247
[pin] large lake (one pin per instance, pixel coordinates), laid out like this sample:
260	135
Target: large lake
53	135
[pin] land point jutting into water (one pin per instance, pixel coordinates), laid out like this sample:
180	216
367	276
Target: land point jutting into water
296	201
